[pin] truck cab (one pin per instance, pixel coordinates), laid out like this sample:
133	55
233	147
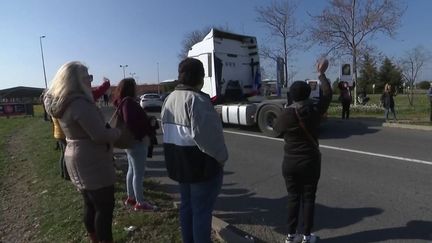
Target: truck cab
231	64
232	80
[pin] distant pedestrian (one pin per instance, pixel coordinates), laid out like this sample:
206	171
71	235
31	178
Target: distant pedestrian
430	100
195	150
138	123
301	166
345	98
387	101
88	154
105	98
154	125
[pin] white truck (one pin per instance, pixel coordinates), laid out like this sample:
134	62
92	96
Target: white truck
232	79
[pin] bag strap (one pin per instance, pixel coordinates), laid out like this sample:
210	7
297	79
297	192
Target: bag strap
308	134
118	108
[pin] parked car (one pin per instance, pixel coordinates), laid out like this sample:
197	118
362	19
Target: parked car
164	96
151	101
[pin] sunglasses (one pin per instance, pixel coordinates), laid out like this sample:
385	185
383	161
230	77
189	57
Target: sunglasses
89	77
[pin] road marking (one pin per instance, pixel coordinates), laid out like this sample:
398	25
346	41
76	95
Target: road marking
342	149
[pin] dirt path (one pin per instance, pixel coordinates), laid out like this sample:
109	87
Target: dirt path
16	198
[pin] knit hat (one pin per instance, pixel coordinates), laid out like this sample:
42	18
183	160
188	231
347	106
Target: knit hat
299	90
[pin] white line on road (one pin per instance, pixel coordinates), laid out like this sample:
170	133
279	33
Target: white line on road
342	149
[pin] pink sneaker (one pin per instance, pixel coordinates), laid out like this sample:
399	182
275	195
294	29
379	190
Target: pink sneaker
145	207
130	202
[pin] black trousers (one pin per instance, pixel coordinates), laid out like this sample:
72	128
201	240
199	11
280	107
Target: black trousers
345	109
62	164
301	180
98	212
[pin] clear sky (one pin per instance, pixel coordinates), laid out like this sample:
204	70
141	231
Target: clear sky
105	34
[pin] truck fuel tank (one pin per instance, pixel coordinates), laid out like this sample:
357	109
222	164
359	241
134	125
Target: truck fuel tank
239	114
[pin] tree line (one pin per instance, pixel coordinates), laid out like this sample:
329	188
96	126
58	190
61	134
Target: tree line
344	29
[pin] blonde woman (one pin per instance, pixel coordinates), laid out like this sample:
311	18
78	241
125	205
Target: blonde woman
88	154
388	101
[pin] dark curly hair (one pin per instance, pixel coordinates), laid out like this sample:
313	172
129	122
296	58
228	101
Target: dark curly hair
190	72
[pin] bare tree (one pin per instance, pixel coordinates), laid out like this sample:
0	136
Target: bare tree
278	17
345	27
411	64
194	37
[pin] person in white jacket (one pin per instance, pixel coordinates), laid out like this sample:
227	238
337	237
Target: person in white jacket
195	150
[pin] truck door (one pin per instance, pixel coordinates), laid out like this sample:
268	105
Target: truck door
209	86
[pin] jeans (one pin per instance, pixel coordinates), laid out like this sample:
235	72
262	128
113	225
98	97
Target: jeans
137	156
197	203
98	212
386	112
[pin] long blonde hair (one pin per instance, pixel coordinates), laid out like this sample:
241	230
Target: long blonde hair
69	80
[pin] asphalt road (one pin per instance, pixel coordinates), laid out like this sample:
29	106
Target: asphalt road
374	186
361	197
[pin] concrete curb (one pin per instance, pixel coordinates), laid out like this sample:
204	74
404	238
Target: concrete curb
407	126
224	231
227	233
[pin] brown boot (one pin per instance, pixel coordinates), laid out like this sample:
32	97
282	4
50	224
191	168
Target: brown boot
92	237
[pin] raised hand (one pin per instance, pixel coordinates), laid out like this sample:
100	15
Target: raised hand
322	65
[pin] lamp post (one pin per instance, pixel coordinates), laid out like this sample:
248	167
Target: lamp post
124	67
132	74
43	61
158	77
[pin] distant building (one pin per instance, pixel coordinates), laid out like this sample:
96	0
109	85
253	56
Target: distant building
141	89
147	88
19	100
21	94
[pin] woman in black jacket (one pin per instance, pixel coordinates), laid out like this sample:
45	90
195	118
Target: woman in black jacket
301	165
388	101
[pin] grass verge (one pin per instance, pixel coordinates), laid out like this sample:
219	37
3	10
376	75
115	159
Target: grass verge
56	206
405	113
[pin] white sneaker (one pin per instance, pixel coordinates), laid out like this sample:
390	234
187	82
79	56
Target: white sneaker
293	238
309	239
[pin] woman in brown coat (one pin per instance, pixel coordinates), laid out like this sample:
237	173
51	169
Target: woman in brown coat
88	153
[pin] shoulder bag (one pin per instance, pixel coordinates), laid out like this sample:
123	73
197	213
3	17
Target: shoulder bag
308	134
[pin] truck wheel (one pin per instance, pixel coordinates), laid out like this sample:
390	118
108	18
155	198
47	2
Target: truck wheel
266	118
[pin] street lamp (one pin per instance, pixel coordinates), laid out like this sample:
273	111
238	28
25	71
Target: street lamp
124	67
43	61
132	74
158	77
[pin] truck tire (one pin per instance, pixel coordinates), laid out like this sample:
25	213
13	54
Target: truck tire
266	118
